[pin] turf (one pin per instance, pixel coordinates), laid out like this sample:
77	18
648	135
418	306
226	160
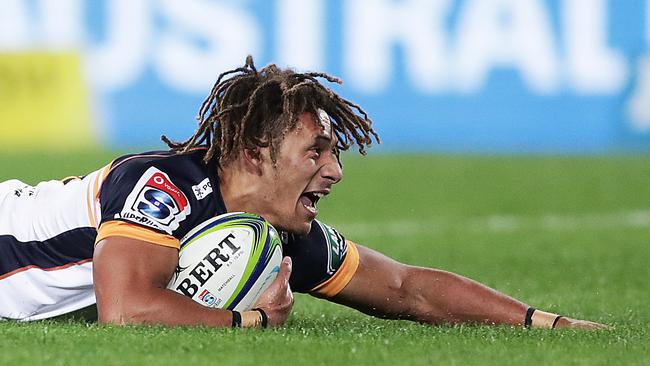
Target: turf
567	234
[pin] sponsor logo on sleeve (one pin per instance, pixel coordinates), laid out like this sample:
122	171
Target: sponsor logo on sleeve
156	202
202	189
336	248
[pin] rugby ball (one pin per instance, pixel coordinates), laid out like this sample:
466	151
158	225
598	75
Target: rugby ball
228	261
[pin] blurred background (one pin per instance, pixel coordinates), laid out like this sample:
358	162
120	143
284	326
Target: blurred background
469	76
516	141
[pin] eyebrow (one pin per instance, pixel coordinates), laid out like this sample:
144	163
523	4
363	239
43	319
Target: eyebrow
324	137
327	139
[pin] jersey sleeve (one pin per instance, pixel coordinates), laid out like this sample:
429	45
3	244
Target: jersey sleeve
324	262
141	201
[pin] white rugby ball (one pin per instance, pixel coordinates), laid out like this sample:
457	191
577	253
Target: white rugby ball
228	261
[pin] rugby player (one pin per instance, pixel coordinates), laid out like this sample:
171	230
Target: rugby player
268	142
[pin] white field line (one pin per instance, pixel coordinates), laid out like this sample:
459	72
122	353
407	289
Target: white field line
503	223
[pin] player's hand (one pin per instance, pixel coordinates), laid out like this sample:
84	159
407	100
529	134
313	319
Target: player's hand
565	322
277	300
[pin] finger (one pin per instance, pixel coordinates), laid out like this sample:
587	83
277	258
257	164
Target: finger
586	325
599	326
285	269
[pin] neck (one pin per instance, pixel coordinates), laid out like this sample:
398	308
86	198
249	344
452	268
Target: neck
238	189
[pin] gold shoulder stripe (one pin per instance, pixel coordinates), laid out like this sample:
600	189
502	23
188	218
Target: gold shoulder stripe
100	179
93	195
120	228
343	275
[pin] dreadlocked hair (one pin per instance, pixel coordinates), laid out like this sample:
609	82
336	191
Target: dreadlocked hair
249	109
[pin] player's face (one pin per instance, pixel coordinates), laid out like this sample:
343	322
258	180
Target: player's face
305	171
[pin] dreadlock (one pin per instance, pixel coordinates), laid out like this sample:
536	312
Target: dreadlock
248	109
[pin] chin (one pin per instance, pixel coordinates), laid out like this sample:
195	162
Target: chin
302	228
298	228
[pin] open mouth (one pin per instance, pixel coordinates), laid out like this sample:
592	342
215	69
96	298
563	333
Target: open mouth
310	199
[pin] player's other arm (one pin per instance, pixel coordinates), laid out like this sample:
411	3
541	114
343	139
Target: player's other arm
385	288
131	277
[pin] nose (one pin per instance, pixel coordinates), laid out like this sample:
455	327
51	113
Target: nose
332	170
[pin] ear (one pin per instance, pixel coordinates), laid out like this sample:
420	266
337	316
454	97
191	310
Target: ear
252	159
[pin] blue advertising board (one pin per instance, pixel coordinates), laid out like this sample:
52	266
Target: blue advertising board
495	76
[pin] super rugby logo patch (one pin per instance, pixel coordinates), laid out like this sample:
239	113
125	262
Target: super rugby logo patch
156	202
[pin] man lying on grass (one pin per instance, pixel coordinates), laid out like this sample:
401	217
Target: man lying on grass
268	143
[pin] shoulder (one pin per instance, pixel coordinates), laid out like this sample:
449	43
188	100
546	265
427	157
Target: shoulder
163	191
164	169
134	165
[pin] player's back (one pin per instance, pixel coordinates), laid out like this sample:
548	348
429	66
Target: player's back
48	231
47	234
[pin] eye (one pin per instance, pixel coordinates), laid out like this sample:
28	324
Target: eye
315	152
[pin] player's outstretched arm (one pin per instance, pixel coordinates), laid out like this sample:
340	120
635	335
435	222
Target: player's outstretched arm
131	277
385	288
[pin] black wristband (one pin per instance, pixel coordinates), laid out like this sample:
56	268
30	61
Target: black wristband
556	320
265	318
528	321
236	319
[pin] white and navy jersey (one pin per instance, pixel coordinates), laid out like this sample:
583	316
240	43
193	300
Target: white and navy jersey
46	247
48	232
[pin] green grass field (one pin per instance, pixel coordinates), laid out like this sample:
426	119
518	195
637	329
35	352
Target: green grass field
565	234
